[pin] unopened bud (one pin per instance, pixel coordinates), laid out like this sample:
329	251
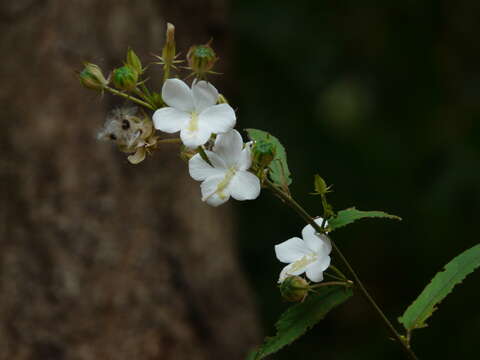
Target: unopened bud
320	185
201	59
92	77
263	153
134	61
294	288
169	50
125	78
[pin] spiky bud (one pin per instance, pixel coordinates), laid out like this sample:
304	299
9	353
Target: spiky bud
125	78
92	77
294	288
201	59
134	61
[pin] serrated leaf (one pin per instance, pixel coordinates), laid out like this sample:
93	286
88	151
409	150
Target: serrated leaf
348	216
299	318
440	286
279	172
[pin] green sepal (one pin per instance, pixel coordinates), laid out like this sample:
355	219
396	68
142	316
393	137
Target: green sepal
134	61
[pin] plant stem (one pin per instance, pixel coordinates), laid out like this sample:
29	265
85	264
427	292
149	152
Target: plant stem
310	220
329	283
129	97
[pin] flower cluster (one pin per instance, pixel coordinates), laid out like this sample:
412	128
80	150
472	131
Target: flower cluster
217	155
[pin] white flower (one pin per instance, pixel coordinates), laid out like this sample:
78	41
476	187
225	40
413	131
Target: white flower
193	112
228	175
310	255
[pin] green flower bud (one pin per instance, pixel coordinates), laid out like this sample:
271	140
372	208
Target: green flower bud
320	185
92	77
263	153
294	288
201	59
169	50
125	78
134	62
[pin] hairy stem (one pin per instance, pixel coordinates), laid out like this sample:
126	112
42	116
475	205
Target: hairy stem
129	97
310	220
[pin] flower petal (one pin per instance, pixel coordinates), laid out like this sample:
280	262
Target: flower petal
178	95
244	186
315	270
216	160
193	139
209	191
229	147
316	241
170	120
291	250
245	160
219	118
288	271
199	169
204	95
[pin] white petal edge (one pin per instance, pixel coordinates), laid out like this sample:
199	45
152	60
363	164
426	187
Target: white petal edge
245	160
291	250
193	139
219	118
204	95
199	169
286	272
170	120
244	186
315	272
177	94
229	146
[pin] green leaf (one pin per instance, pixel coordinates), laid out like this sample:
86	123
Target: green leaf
279	172
348	216
301	317
440	286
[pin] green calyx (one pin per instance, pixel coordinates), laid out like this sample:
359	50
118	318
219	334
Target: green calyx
125	78
294	288
92	77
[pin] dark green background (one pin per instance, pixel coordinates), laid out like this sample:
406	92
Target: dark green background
382	99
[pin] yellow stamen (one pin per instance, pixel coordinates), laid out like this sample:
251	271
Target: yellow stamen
302	263
193	123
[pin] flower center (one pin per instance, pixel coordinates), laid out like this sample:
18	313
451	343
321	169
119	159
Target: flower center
193	123
303	262
222	185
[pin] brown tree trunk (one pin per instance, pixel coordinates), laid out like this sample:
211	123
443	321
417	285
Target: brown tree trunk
100	259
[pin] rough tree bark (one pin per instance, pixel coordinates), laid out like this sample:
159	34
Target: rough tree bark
100	259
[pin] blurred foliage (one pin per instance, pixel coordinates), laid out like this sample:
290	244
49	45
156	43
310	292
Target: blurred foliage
381	98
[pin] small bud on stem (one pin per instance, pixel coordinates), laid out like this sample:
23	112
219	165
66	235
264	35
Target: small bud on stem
125	78
201	59
92	77
294	288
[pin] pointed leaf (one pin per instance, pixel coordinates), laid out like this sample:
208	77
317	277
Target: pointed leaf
301	317
440	286
279	172
348	216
